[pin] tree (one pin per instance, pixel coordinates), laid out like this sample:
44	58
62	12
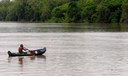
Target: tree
103	11
59	13
73	12
88	9
124	16
108	11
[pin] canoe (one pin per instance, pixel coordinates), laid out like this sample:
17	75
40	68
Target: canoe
31	53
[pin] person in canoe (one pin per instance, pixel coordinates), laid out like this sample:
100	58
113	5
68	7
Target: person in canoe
22	48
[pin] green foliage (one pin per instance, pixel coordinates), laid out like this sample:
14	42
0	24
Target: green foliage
124	16
103	11
88	10
108	11
3	10
73	12
59	13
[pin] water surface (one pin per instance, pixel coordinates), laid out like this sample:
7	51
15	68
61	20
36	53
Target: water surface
71	50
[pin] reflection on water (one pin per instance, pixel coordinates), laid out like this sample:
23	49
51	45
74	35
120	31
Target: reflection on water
23	66
61	27
22	59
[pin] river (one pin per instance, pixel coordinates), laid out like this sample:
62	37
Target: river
72	49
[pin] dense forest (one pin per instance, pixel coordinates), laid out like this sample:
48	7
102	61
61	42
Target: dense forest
65	11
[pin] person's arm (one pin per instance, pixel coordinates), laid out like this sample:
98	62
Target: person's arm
25	49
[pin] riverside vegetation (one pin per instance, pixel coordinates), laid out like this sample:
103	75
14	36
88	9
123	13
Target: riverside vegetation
65	11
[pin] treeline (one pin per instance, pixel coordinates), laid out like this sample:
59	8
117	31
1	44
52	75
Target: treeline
65	11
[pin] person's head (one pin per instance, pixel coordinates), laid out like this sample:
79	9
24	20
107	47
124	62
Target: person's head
21	45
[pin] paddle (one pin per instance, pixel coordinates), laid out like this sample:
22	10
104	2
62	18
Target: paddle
30	51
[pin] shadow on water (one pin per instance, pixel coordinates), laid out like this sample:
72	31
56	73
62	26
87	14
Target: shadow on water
85	27
22	59
62	27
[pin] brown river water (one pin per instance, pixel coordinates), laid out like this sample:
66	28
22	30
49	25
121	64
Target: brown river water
72	49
